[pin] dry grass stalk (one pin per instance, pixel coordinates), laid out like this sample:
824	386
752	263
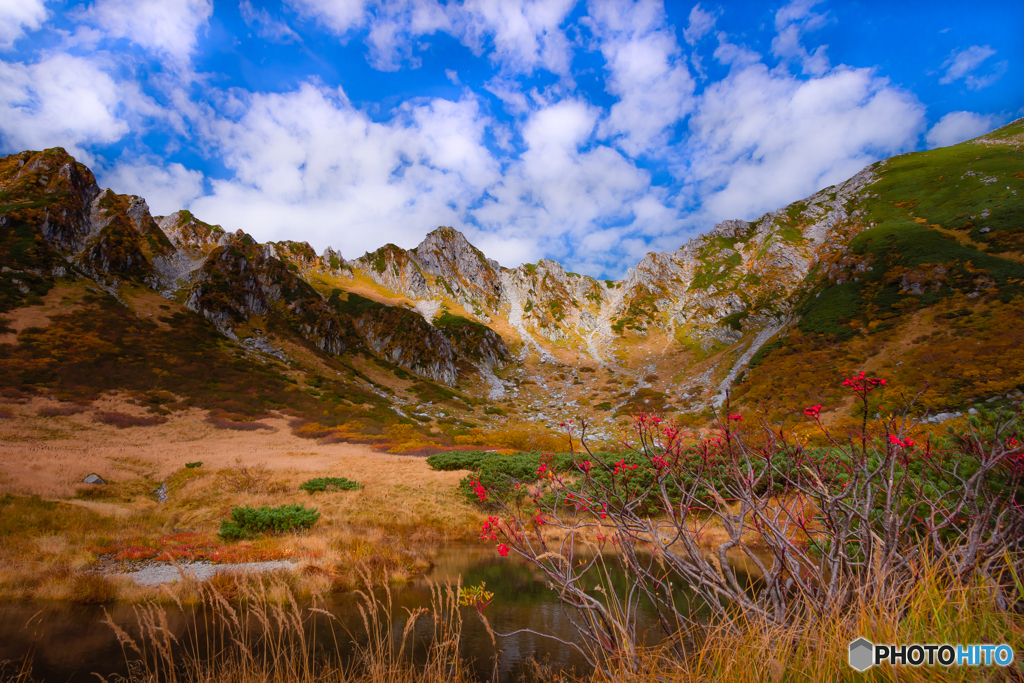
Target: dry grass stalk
246	478
267	636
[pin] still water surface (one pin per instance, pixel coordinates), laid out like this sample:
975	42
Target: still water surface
70	642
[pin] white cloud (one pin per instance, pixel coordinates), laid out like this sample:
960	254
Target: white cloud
559	128
761	139
793	21
963	64
339	16
165	187
396	25
732	55
647	72
526	34
60	101
168	29
510	93
452	75
266	26
520	36
308	165
700	24
958	126
17	16
563	188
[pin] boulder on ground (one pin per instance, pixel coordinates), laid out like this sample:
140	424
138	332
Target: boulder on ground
94	479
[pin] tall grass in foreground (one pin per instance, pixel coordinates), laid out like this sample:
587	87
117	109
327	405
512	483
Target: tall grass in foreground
750	648
262	633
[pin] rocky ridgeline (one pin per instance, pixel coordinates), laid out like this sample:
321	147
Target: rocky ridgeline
193	241
228	277
737	279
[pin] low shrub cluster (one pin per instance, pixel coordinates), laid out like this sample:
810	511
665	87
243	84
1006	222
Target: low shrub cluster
498	472
329	484
221	422
248	522
185	546
123	421
458	460
62	410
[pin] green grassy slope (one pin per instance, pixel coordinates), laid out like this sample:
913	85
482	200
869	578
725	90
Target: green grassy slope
933	282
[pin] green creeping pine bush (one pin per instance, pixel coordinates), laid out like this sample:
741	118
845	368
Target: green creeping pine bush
497	472
193	465
457	460
247	522
330	483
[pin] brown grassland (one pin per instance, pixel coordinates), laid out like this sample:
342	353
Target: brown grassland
55	531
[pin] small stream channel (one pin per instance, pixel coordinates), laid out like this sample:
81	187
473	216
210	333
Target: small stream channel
70	642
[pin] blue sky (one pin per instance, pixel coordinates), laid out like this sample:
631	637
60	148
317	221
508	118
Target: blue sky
588	132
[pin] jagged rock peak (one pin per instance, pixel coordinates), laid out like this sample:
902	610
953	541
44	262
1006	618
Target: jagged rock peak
138	212
446	252
38	175
296	252
332	257
185	230
552	267
448	242
730	228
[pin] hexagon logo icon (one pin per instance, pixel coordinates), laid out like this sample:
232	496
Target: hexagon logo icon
862	654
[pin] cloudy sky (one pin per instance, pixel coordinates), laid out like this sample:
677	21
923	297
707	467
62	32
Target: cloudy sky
589	132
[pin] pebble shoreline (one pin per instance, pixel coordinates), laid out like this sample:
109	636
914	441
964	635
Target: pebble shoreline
165	572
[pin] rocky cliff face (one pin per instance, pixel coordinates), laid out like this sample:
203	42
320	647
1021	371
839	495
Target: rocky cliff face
73	228
104	235
62	191
240	279
192	241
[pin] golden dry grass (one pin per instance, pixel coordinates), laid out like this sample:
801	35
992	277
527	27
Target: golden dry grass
404	511
746	650
934	611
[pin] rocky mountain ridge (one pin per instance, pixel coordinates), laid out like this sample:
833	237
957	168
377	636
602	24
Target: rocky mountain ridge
705	313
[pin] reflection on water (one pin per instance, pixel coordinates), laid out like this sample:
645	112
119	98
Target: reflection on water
70	642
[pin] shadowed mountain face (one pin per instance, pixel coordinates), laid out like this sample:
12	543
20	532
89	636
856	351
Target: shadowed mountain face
905	264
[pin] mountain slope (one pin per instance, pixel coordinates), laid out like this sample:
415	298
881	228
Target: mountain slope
897	270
